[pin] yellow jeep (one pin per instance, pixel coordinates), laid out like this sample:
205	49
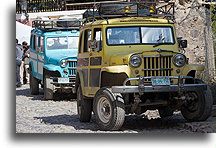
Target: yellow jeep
130	62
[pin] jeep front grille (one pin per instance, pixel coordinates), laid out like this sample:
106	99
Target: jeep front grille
157	65
72	67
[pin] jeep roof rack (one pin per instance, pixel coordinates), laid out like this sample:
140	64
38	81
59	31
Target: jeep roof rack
108	10
56	24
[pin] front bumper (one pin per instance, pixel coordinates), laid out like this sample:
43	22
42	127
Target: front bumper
141	88
63	81
62	84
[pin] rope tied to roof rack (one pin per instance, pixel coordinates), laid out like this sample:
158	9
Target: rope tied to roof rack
108	10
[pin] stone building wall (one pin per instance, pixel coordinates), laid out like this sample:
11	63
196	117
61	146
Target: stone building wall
193	24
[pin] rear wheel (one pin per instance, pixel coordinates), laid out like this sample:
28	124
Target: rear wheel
48	87
199	106
84	106
109	109
34	85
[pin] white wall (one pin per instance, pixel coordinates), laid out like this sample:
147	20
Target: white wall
72	13
23	32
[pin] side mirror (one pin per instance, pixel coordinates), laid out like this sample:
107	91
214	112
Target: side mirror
95	45
92	44
98	46
183	43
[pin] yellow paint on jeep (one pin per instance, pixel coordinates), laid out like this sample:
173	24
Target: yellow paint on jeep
115	58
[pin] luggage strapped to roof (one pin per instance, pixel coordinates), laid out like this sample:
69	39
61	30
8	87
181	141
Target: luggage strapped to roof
106	10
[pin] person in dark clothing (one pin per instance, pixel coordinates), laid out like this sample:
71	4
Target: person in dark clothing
19	55
25	65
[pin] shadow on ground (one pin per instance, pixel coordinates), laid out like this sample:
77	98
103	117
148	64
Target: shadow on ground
138	124
132	123
58	97
69	120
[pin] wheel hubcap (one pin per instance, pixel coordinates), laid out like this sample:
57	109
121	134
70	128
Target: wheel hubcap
104	110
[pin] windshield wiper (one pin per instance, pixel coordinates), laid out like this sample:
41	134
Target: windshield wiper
160	40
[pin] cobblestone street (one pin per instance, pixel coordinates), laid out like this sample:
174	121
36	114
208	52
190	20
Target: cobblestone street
34	115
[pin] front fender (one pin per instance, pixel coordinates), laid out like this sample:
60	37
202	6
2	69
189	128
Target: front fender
51	67
117	69
81	80
192	67
31	65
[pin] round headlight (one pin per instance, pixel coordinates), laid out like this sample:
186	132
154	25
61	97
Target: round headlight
135	61
63	63
179	60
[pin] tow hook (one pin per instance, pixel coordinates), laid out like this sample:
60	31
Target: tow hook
141	87
136	102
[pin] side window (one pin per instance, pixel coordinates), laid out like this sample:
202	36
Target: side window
33	42
39	44
87	37
80	42
36	43
42	44
98	38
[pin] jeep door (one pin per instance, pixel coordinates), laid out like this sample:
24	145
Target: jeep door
33	55
40	61
83	60
89	60
95	60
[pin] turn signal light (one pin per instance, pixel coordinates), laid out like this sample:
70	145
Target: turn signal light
127	8
151	10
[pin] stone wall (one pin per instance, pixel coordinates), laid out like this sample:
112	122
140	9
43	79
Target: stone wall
193	24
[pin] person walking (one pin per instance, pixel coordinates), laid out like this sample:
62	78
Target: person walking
19	55
26	53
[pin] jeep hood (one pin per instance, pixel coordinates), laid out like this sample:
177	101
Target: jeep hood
55	58
123	58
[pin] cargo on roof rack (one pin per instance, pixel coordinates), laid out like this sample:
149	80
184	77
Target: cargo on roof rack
56	24
129	9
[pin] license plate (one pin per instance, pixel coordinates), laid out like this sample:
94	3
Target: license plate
160	81
63	80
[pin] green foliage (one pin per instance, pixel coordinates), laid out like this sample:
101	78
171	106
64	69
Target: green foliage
213	17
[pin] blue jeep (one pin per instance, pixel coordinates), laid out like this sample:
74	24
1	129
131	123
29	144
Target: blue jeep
53	57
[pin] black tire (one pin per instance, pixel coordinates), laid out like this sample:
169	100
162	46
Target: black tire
114	109
200	108
165	111
48	87
84	106
34	85
72	96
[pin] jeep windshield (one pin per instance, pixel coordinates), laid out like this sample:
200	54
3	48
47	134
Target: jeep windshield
62	43
140	35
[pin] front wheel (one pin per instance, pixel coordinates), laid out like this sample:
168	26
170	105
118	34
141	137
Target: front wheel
48	88
34	84
199	106
109	109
